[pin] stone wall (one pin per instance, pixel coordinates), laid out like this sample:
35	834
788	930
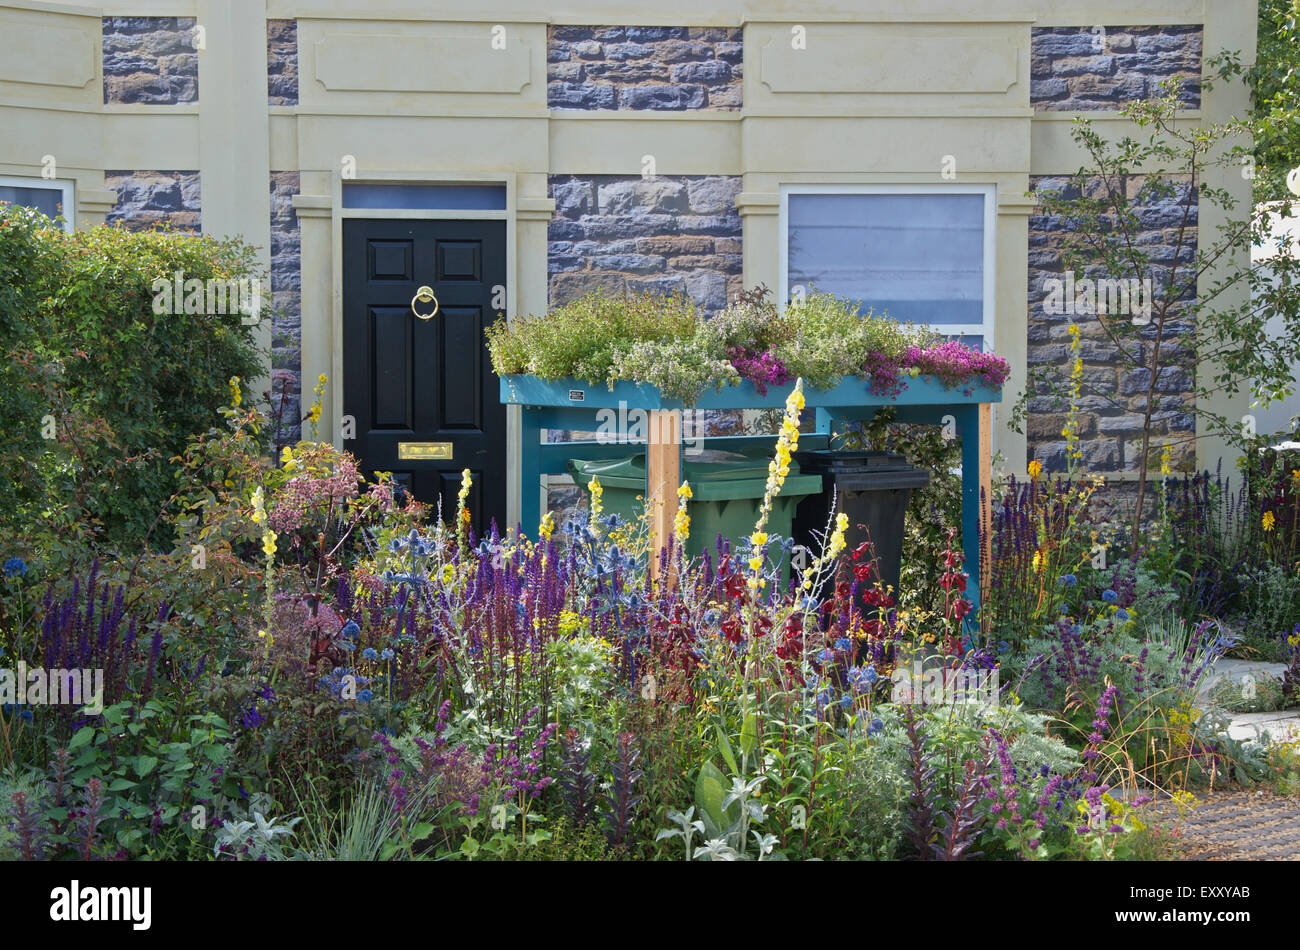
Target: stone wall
1090	68
282	62
286	302
628	234
150	61
1113	395
145	199
642	67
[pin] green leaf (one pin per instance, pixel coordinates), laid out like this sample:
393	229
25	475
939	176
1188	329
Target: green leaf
749	735
145	764
724	747
710	790
83	737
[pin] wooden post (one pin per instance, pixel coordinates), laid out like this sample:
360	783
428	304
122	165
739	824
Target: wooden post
986	494
663	477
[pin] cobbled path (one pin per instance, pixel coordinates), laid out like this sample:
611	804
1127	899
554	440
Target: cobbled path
1238	826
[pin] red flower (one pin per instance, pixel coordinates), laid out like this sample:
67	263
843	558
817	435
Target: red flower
872	628
961	607
732	630
953	579
792	638
878	598
734	585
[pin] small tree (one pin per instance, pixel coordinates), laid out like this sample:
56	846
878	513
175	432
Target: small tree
1210	306
1275	88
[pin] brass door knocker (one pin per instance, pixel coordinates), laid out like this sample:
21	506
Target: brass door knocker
425	295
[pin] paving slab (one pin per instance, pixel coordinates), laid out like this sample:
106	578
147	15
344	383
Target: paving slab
1237	671
1250	727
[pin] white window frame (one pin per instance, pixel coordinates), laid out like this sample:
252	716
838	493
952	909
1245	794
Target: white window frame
990	193
62	185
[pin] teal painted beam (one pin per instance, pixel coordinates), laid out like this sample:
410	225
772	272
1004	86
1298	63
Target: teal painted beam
580	394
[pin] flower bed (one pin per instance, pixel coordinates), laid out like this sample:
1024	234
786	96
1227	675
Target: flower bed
348	678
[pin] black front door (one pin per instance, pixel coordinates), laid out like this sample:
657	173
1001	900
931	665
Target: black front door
421	388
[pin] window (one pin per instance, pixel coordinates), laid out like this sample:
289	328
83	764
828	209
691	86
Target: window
52	198
425	197
923	254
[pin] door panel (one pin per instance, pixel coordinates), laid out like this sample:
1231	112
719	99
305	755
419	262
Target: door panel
390	367
412	380
462	337
459	260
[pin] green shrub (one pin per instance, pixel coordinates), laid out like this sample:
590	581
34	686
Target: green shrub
832	339
121	388
583	337
1271	594
680	368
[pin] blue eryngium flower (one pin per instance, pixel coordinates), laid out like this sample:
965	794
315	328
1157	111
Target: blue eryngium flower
15	567
1121	614
876	727
1067	580
386	655
365	696
350	630
1109	596
369	653
862	678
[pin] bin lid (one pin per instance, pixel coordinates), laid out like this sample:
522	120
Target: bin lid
861	469
708	467
715	464
613	473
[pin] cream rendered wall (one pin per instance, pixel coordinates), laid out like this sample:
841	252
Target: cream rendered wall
418	92
51	90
